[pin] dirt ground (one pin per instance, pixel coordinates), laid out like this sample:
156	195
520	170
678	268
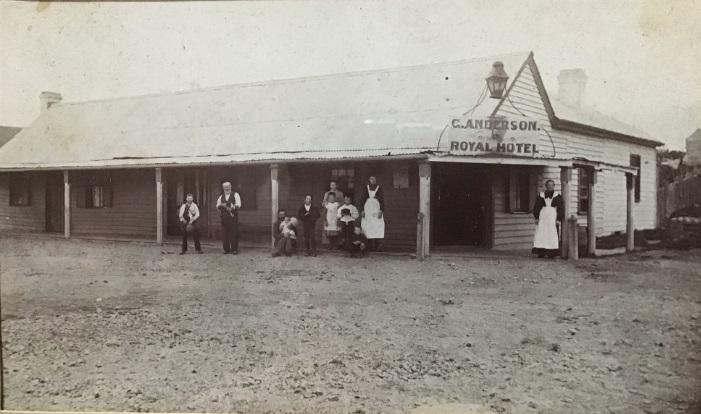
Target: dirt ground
132	327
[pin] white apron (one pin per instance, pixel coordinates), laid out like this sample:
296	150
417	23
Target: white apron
546	236
373	227
331	227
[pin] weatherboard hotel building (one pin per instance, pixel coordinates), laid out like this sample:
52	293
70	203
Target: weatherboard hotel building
460	157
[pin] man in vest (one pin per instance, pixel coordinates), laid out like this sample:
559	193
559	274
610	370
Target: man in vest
228	205
189	214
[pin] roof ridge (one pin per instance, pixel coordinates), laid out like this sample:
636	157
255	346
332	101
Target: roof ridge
300	78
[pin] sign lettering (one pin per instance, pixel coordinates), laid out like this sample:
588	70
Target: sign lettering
494	135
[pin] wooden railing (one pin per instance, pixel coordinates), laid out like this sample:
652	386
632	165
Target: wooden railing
676	196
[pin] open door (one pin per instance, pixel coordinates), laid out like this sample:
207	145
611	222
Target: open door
460	205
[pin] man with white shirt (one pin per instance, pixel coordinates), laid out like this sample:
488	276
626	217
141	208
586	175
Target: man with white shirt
189	214
228	205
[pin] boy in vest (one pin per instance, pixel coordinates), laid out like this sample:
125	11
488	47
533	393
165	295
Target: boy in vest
189	214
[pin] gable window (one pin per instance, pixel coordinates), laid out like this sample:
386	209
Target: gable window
97	190
20	189
519	189
635	162
583	191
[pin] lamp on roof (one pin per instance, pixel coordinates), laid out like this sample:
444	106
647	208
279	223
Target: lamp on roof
496	81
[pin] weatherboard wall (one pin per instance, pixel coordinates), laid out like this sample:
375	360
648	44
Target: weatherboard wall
23	218
525	99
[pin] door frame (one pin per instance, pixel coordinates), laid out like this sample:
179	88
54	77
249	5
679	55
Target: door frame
48	207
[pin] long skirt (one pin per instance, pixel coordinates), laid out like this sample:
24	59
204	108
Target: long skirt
546	240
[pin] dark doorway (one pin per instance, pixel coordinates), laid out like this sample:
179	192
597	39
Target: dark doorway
54	202
461	205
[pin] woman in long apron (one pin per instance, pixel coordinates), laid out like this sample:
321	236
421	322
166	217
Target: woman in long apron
548	211
373	222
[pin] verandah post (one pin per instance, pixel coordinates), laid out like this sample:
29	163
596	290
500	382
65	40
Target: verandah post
67	205
565	179
591	214
159	206
425	205
630	228
275	196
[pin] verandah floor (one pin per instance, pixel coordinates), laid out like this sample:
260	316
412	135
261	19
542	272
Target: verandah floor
437	252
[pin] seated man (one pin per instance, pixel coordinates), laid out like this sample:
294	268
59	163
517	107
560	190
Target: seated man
285	234
357	243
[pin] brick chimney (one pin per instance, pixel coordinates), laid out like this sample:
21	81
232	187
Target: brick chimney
572	83
48	99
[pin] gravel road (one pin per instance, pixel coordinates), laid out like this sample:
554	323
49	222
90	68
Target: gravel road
133	327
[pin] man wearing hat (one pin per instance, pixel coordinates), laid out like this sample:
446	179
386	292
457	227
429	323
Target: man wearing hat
189	214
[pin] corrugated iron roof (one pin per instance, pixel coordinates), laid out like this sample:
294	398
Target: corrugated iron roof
7	133
592	117
400	110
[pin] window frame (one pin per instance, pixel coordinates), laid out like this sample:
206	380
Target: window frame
245	183
583	184
20	181
101	180
524	207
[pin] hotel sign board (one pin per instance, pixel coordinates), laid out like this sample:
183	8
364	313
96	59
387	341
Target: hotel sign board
514	136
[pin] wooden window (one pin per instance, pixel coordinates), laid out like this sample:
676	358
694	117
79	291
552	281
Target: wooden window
583	191
344	178
246	184
636	162
20	189
96	190
401	176
519	189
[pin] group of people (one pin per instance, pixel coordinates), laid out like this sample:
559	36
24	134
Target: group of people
341	228
341	217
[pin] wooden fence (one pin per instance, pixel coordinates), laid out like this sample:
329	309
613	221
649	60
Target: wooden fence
676	196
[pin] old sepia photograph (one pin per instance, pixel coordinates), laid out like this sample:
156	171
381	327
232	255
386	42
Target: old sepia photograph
354	207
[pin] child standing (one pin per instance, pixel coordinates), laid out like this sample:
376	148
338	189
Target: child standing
347	213
331	228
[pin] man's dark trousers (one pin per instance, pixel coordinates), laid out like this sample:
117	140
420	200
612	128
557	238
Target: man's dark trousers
310	237
195	237
230	233
347	229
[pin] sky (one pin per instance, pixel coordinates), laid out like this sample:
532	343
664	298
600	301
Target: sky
642	57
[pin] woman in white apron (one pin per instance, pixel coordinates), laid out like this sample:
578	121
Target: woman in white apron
548	211
373	222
